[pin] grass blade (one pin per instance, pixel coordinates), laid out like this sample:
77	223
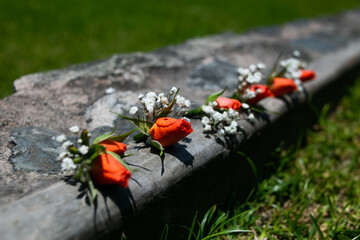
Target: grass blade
317	227
191	231
165	232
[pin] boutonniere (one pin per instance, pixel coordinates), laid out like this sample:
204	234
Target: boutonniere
159	118
286	76
100	162
221	114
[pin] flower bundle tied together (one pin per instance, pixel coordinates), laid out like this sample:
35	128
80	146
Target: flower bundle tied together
158	118
100	163
221	114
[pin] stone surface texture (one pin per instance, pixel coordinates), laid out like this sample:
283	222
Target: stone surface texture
33	190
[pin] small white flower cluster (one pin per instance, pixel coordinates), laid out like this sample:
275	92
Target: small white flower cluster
65	156
292	67
152	104
248	76
223	122
249	94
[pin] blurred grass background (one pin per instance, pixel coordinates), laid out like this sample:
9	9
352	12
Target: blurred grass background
41	35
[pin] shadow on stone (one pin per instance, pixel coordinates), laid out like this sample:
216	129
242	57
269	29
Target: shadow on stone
179	151
124	200
83	189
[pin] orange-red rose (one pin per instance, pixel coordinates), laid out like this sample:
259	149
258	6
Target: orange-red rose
105	169
307	75
262	91
281	86
227	103
168	131
112	146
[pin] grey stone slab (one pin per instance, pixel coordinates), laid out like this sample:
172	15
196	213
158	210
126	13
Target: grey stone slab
34	149
320	42
213	75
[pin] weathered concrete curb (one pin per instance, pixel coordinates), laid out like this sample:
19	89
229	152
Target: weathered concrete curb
197	172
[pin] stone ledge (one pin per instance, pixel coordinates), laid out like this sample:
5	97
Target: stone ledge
192	176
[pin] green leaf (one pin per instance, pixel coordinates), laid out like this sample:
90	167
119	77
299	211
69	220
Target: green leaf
77	173
117	157
273	70
84	137
157	145
143	126
73	150
128	155
214	96
167	110
92	189
95	150
121	137
104	137
280	73
193	112
140	137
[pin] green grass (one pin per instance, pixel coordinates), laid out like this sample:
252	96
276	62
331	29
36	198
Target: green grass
41	35
315	191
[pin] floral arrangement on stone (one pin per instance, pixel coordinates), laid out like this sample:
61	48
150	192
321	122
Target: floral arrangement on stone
287	77
100	162
159	118
221	114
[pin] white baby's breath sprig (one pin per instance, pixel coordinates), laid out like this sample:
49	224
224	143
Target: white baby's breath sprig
224	122
67	144
61	138
251	116
152	104
133	110
248	76
292	68
83	149
245	106
173	90
74	129
67	164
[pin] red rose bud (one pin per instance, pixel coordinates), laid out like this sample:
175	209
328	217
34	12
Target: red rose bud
105	169
112	146
168	131
262	91
307	75
227	103
281	86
